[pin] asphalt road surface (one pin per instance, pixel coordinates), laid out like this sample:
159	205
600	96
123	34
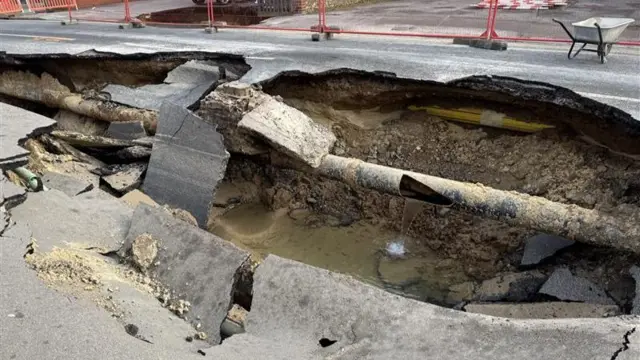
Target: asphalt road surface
269	53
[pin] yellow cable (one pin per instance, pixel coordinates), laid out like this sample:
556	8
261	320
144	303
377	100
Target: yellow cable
482	117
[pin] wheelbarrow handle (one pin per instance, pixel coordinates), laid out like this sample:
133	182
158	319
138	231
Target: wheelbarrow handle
565	28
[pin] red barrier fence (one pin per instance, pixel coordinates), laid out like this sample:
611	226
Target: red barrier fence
44	5
10	7
522	20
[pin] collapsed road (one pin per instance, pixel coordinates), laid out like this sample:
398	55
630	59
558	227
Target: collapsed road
166	222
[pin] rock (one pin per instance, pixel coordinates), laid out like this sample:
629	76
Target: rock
70	121
126	130
289	130
92	141
124	178
183	86
635	273
84	220
136	152
187	162
544	310
515	287
67	184
135	197
542	246
144	250
18	124
563	285
196	265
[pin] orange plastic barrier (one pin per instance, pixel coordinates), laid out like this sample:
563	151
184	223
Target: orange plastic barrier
10	7
43	5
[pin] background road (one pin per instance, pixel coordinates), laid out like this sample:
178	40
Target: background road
616	83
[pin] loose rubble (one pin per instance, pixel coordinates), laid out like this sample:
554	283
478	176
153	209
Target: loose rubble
563	285
541	247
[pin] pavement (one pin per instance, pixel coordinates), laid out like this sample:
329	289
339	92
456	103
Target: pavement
270	53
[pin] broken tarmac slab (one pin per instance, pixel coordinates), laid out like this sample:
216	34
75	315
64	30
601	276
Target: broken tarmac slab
289	130
196	265
183	86
187	162
84	220
126	130
67	184
541	247
18	124
123	177
544	310
298	305
563	285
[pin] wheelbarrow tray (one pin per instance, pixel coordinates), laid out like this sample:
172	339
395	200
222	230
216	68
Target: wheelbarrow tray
611	28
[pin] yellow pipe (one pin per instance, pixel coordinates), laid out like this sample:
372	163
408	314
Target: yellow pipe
482	117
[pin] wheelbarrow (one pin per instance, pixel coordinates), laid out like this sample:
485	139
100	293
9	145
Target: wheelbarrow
600	31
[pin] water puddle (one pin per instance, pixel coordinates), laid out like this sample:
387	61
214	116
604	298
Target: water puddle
357	250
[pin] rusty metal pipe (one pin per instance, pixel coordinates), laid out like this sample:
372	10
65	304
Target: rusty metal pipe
570	221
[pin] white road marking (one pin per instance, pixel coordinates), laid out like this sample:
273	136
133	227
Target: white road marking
260	58
611	97
37	37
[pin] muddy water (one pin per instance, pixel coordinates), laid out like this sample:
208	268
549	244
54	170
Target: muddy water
356	250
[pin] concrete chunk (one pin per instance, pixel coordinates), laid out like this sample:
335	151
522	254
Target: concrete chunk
290	131
563	285
544	310
67	184
514	287
187	162
126	130
57	219
635	273
542	246
198	266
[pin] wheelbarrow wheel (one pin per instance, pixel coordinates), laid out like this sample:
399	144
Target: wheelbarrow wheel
608	49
